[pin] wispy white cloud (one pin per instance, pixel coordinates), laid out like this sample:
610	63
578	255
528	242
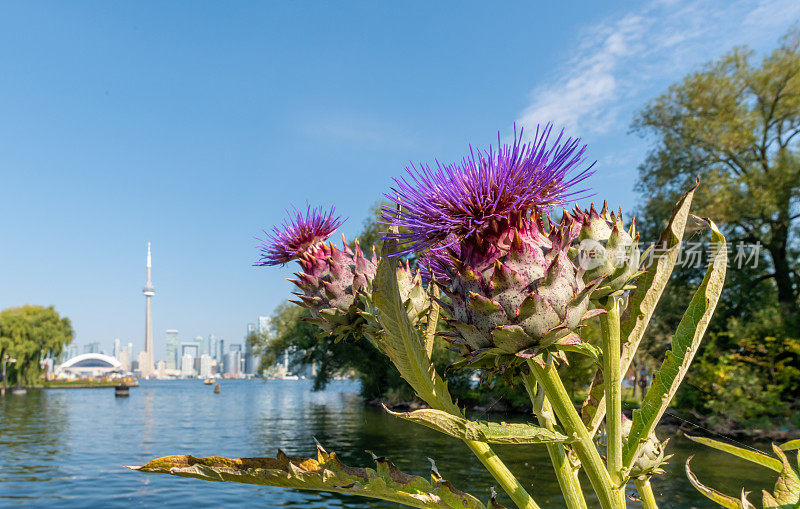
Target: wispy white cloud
619	62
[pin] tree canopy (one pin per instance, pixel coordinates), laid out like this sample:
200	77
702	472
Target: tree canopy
734	123
30	334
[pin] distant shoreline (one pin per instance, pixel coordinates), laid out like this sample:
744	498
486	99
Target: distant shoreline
81	385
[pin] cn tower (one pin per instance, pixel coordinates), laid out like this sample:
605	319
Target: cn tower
146	358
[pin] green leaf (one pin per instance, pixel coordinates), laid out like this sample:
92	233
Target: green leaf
641	306
586	349
685	342
790	445
757	457
481	431
716	496
325	473
404	345
433	318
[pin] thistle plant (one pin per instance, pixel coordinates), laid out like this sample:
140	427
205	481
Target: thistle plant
514	289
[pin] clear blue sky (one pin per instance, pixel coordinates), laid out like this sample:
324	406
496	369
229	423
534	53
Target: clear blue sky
194	124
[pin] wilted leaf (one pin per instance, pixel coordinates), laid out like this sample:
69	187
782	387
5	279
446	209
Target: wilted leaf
641	306
716	496
325	473
489	432
685	342
757	457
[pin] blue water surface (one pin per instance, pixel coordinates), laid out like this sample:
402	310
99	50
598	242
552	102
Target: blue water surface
67	447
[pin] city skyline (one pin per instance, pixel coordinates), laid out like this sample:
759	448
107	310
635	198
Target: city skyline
172	356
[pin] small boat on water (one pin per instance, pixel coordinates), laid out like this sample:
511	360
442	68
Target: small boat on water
209	381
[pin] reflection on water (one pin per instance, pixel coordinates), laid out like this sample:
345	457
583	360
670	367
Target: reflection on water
66	448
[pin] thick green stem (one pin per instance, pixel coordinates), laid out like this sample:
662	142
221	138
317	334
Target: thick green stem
502	474
646	494
567	475
571	423
609	323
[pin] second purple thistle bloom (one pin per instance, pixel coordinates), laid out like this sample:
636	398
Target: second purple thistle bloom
330	279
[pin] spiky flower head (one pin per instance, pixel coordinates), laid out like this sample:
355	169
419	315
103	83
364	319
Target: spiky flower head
438	207
330	279
513	291
606	249
298	235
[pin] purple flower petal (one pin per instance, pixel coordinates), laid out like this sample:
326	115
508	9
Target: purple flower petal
439	207
298	235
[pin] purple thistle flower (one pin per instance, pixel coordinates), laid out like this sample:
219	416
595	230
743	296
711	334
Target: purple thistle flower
298	235
439	207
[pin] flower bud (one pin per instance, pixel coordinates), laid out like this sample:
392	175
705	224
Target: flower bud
652	456
605	249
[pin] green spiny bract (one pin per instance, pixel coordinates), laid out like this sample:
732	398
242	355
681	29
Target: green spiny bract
331	281
606	249
652	457
514	292
413	295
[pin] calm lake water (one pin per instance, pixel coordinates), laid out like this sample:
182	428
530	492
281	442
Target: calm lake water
67	448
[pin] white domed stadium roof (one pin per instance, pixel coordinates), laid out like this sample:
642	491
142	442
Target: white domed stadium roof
95	363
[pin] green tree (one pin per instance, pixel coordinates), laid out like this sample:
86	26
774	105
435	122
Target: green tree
734	123
31	334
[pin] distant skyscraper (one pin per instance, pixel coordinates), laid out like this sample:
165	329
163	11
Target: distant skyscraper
187	366
190	348
70	351
251	360
201	345
211	346
205	365
233	362
125	359
235	347
117	348
93	347
263	324
172	348
146	365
